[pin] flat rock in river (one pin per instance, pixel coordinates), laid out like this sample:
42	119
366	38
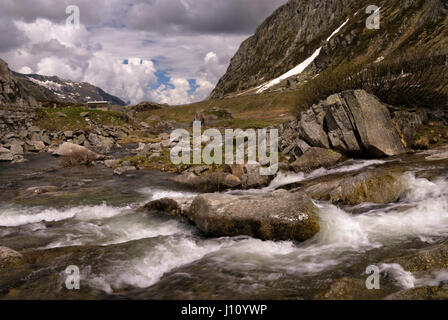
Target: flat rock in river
280	215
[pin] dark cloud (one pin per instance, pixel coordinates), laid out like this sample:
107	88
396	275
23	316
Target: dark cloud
10	36
200	16
92	12
162	16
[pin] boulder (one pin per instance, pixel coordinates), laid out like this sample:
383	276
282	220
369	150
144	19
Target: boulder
101	143
252	177
371	122
311	127
217	181
341	133
4	150
111	163
122	170
380	186
276	216
68	149
80	139
6	156
249	175
316	158
17	148
232	181
175	208
37	146
353	123
407	124
9	258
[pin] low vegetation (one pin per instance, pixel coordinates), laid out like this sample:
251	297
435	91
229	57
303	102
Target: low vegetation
71	118
412	81
257	109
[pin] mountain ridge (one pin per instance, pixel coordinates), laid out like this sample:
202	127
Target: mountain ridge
30	89
297	29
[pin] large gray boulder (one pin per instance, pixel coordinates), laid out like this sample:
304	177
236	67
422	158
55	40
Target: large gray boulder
352	122
278	216
371	122
376	185
68	149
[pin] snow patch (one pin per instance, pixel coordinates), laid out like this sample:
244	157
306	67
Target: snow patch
293	72
337	30
300	68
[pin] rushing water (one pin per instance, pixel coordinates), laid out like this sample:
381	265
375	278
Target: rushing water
89	219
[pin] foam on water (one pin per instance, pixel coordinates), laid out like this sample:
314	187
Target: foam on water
120	229
14	216
158	193
408	280
146	270
286	178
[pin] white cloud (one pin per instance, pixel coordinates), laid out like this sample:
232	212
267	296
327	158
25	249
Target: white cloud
131	81
184	39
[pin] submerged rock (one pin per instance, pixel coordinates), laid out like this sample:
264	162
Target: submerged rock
122	170
316	158
9	258
380	186
277	216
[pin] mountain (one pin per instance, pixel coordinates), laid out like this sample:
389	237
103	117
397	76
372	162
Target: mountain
12	90
305	37
45	88
31	89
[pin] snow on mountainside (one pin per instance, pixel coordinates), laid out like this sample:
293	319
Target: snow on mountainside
45	88
304	38
301	67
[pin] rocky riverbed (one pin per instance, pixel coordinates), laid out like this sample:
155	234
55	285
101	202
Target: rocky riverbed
392	213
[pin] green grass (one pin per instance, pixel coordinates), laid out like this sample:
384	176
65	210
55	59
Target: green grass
49	119
261	110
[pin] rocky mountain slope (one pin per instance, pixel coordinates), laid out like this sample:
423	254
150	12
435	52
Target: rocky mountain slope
11	89
37	88
330	33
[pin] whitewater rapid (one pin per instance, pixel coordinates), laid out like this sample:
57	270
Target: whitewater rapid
161	245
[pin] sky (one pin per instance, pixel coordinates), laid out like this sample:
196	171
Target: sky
166	51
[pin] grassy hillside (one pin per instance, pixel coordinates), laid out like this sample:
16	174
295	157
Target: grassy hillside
248	111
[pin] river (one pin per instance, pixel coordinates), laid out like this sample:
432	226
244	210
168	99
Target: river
87	217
